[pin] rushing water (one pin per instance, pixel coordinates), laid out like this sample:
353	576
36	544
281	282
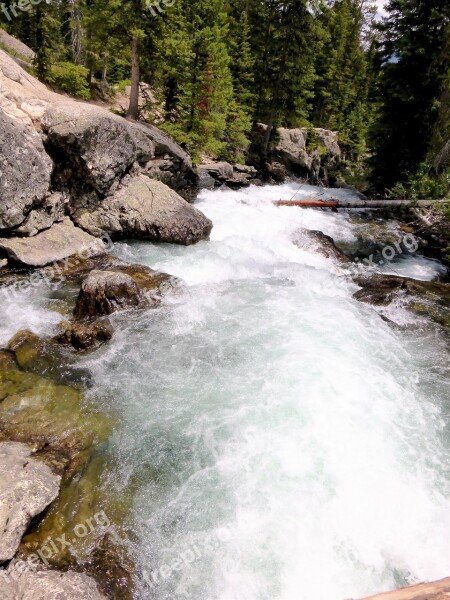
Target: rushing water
282	441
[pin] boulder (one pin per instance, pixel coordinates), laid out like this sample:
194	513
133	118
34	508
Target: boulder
51	211
25	170
16	46
94	146
313	152
23	581
55	244
303	152
27	487
105	292
171	165
215	174
323	244
84	335
430	299
380	290
145	209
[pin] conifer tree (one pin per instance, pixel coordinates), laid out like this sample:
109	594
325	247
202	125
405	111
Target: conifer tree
413	71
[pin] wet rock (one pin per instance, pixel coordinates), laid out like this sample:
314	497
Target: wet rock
323	244
84	335
25	170
112	569
27	487
105	292
426	298
147	279
277	171
55	244
47	358
52	417
146	209
379	289
22	583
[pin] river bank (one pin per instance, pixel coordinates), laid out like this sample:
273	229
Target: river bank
189	360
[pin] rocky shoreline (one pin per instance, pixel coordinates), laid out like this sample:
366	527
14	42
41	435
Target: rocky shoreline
77	178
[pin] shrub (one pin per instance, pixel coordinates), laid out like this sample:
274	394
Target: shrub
70	78
425	185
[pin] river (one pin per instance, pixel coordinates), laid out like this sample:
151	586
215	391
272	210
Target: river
282	440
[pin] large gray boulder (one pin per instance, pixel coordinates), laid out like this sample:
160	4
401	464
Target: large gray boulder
50	246
27	487
311	150
97	148
310	153
146	209
25	170
24	582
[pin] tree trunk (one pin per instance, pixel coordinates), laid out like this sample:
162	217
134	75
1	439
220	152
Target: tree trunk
133	109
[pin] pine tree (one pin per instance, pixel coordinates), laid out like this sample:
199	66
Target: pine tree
344	76
284	38
412	76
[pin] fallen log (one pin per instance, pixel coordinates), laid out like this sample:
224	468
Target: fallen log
348	204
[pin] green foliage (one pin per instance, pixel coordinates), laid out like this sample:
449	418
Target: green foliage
414	65
344	75
70	78
423	185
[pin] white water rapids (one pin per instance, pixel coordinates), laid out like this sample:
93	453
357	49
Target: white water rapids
282	441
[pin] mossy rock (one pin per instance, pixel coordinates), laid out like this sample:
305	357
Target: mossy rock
72	438
429	299
46	357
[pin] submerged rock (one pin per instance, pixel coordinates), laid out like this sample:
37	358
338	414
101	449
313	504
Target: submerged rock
45	357
71	439
27	487
55	244
425	298
19	583
105	292
145	209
